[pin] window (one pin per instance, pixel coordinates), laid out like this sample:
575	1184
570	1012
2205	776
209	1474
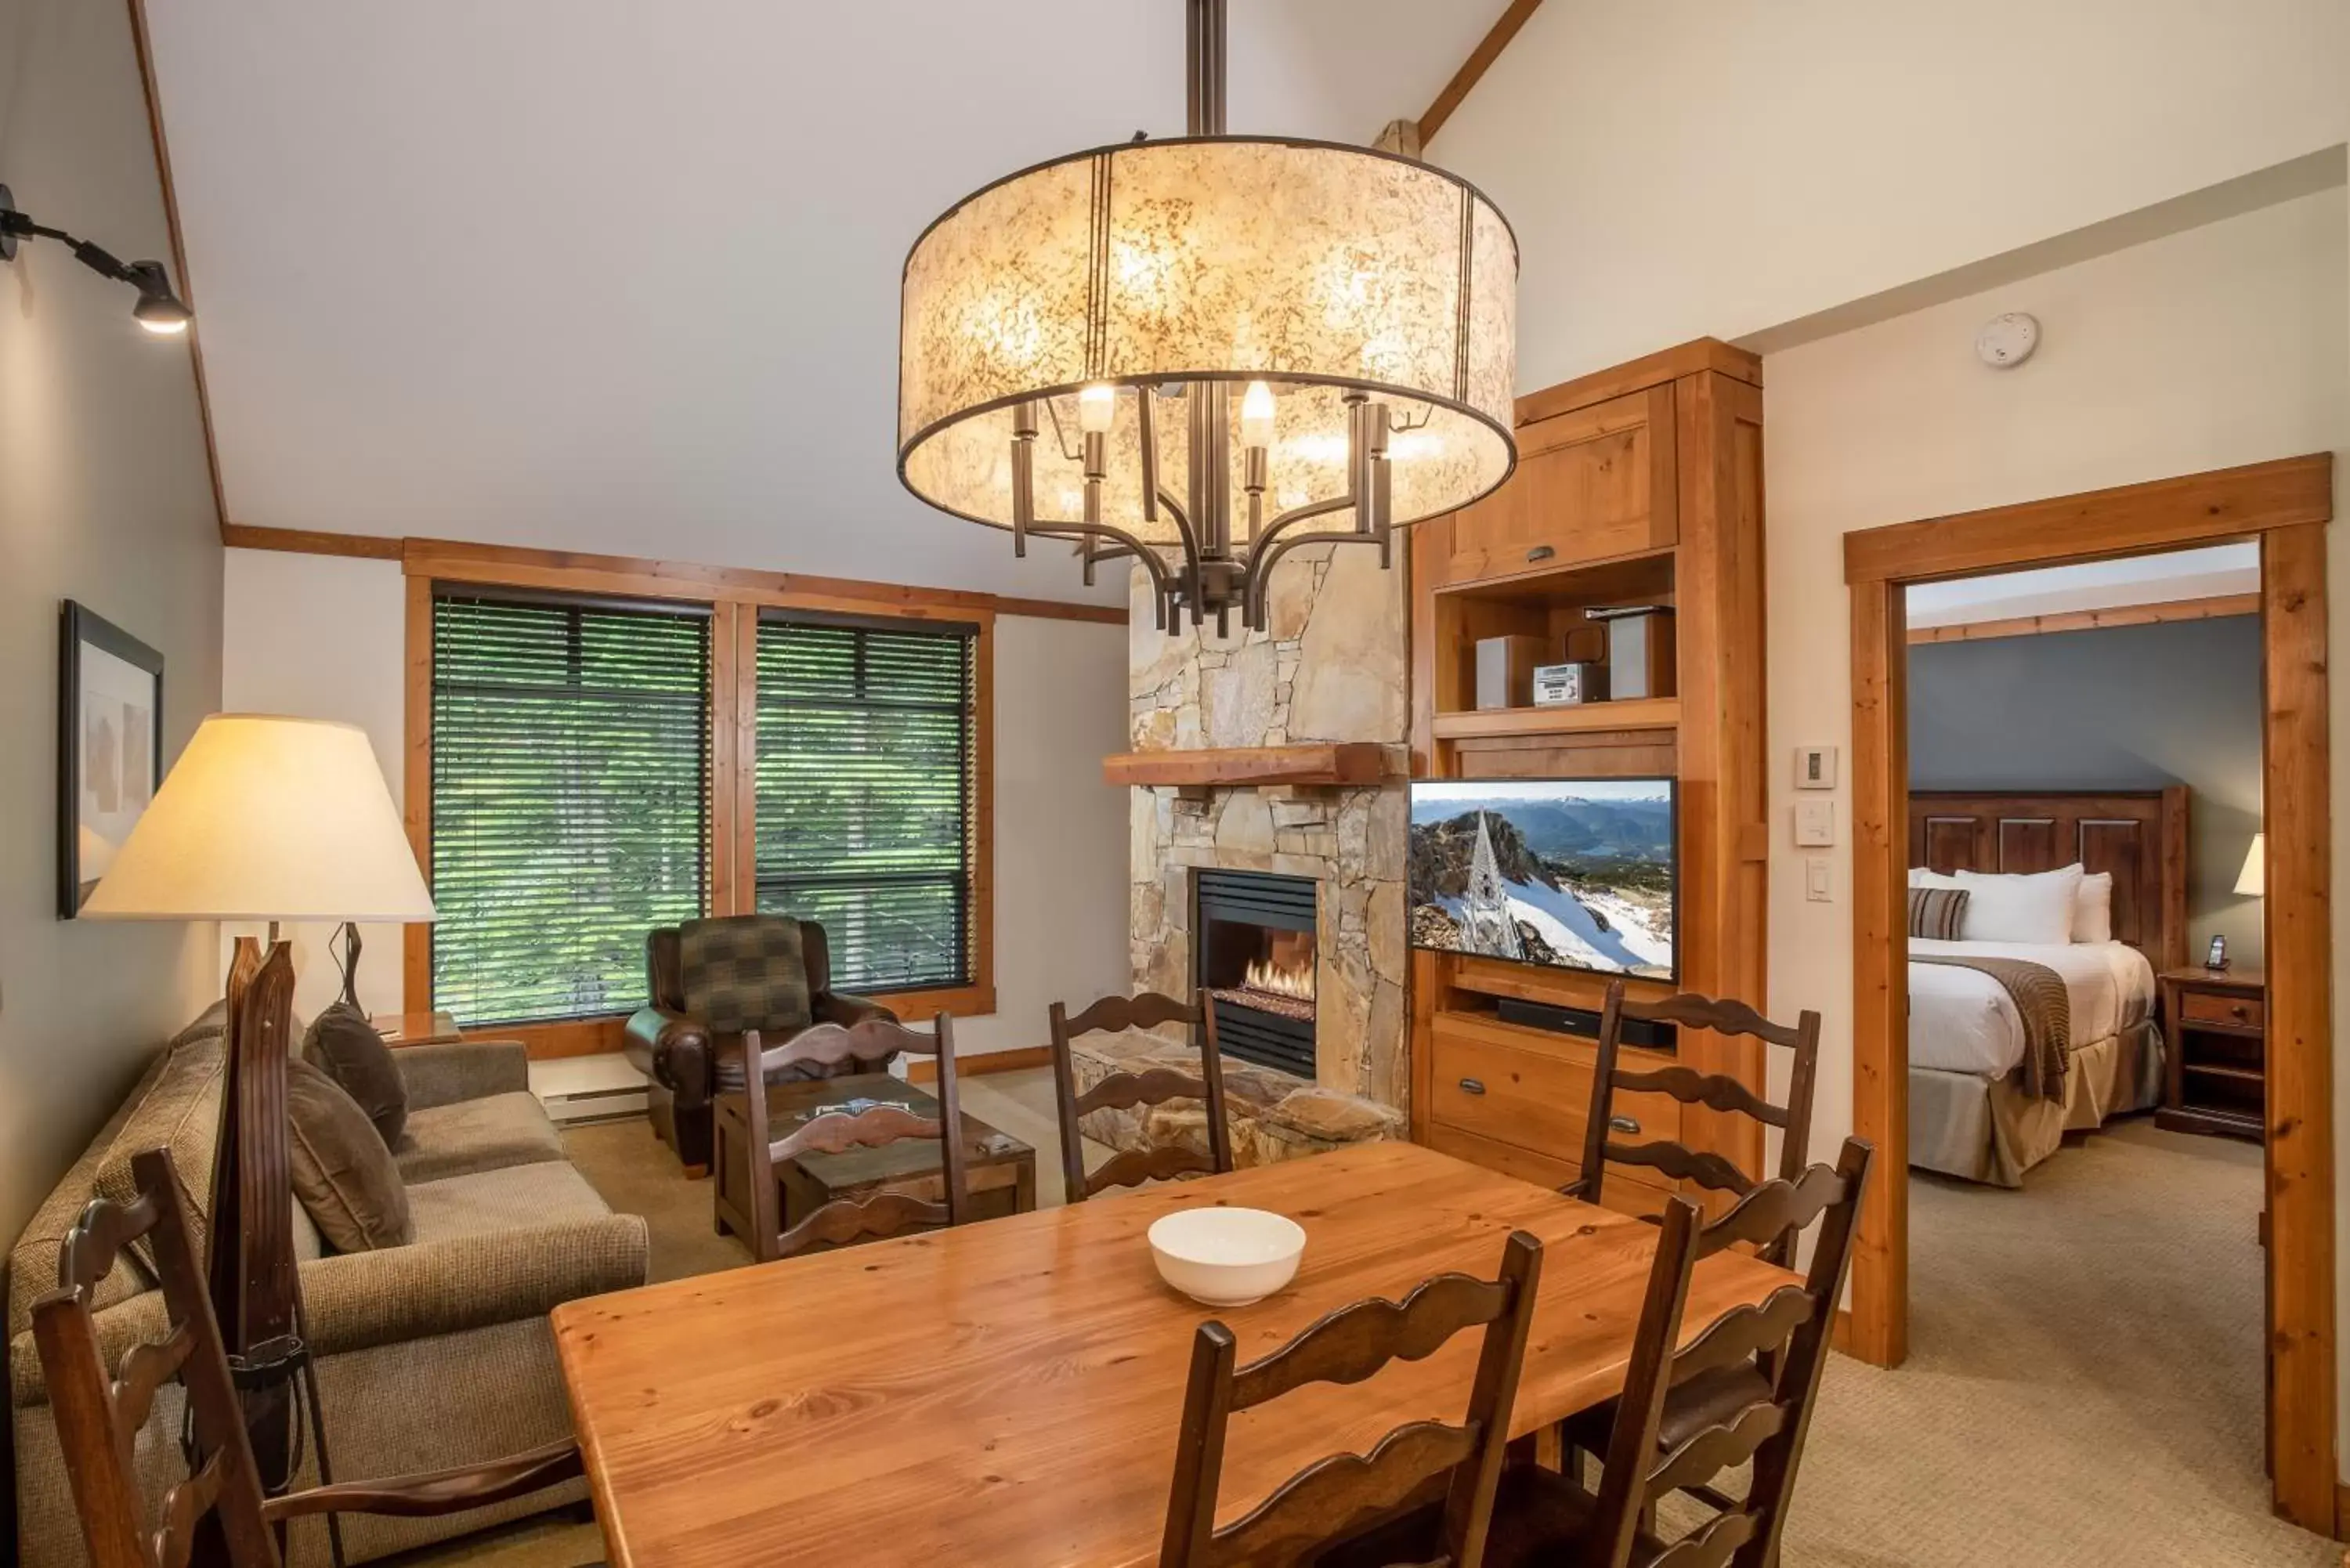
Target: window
570	790
866	794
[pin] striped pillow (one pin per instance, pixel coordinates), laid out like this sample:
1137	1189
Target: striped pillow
1937	913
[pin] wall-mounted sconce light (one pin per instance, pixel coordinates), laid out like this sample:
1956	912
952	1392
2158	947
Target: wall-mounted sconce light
159	310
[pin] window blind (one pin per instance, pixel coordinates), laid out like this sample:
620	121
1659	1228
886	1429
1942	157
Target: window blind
570	790
865	795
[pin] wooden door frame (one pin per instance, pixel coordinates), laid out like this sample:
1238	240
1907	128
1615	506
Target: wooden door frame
2285	506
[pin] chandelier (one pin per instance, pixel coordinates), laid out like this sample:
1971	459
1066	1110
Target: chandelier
1198	354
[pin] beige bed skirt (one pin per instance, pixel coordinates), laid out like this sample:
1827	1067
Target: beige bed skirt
1990	1130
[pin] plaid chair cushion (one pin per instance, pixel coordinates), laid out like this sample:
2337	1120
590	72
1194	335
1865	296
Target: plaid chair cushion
743	971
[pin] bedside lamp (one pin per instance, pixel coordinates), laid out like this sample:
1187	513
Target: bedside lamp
270	818
2253	881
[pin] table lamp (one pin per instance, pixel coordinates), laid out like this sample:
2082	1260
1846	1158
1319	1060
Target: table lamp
270	818
2253	881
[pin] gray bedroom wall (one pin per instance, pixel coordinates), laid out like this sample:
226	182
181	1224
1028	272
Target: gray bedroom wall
107	501
2131	707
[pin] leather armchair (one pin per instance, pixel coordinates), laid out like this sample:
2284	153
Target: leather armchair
687	1064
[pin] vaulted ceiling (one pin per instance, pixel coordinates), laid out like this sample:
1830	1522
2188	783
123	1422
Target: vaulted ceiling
600	274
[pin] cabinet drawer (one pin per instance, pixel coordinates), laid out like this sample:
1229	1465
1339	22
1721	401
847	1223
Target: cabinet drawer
1590	485
1538	1101
2224	1009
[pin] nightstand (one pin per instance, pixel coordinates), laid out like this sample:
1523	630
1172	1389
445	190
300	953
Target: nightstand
2215	1073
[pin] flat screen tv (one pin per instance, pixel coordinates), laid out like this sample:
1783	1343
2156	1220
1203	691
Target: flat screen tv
1567	873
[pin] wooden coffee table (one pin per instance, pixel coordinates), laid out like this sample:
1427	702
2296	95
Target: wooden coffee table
1002	1169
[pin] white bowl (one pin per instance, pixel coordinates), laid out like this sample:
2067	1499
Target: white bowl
1226	1257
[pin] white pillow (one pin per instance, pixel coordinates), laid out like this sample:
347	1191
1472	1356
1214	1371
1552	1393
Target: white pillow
2037	909
1919	877
2093	913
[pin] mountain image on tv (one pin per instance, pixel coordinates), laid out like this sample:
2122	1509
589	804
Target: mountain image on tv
1572	873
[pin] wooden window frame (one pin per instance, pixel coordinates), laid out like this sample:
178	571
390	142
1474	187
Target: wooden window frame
735	600
2285	506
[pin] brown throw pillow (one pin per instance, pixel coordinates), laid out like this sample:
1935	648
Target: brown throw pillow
342	1172
1937	913
344	1045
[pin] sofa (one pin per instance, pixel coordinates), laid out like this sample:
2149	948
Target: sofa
436	1353
686	1062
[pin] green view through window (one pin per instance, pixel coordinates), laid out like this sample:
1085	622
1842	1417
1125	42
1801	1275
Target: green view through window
570	789
865	793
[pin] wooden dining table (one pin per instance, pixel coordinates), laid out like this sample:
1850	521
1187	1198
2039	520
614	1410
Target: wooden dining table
1006	1394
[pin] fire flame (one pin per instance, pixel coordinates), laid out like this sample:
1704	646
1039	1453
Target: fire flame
1280	981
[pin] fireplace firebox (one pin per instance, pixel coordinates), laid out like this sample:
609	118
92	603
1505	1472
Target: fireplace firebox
1253	949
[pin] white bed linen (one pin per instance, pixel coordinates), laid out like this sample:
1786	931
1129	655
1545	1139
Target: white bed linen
1962	1021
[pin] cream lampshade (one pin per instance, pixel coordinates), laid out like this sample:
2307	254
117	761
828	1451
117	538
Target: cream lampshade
267	817
2253	881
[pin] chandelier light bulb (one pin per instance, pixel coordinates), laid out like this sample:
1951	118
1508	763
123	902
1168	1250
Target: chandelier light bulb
1256	415
1096	404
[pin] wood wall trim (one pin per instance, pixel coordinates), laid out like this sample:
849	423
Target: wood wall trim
2215	607
2298	940
143	45
925	1070
416	789
310	541
1662	368
2287	503
1472	69
509	565
451	561
2127	519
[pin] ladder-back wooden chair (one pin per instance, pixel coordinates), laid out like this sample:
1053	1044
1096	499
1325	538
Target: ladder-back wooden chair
1321	1506
100	1413
844	1220
1686	1417
1122	1091
1714	1090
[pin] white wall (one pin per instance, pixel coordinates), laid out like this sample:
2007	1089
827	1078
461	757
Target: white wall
324	637
2216	347
106	499
1679	168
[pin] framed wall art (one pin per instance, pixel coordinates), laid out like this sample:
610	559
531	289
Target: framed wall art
109	746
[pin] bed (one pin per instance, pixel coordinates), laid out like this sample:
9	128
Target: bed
1973	1110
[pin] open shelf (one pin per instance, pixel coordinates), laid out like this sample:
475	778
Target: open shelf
1577	718
2221	1070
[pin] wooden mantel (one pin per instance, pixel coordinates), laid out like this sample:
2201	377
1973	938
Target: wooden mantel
1326	763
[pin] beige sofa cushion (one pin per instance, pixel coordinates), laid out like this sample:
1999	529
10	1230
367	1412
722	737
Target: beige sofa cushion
466	1136
518	1197
341	1171
179	1112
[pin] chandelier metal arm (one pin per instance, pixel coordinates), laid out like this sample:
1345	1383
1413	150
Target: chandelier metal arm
1253	604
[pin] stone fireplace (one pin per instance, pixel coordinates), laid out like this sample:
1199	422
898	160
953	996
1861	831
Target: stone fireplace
1329	667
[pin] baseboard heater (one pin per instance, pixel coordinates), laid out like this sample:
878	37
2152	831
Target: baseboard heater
594	1105
1645	1033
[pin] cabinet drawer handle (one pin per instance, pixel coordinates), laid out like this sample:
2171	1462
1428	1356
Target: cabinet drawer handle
2238	1011
1630	1124
1542	553
1471	1086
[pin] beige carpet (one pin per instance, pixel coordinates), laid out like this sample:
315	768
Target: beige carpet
2083	1388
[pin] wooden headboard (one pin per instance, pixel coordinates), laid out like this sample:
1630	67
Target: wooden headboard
2139	836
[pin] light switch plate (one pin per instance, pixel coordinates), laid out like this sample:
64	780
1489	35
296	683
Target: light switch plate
1819	879
1814	823
1816	767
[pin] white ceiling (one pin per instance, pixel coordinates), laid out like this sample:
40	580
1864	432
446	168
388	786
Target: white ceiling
2211	572
605	275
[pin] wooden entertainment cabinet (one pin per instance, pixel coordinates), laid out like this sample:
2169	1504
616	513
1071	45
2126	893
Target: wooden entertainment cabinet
1638	484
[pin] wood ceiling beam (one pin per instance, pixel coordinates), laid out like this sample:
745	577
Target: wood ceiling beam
1481	59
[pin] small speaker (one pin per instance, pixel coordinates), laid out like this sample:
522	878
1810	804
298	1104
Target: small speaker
1646	1033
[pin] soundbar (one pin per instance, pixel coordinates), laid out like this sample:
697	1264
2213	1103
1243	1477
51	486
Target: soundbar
1646	1033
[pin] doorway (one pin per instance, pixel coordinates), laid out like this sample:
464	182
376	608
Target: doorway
2285	507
